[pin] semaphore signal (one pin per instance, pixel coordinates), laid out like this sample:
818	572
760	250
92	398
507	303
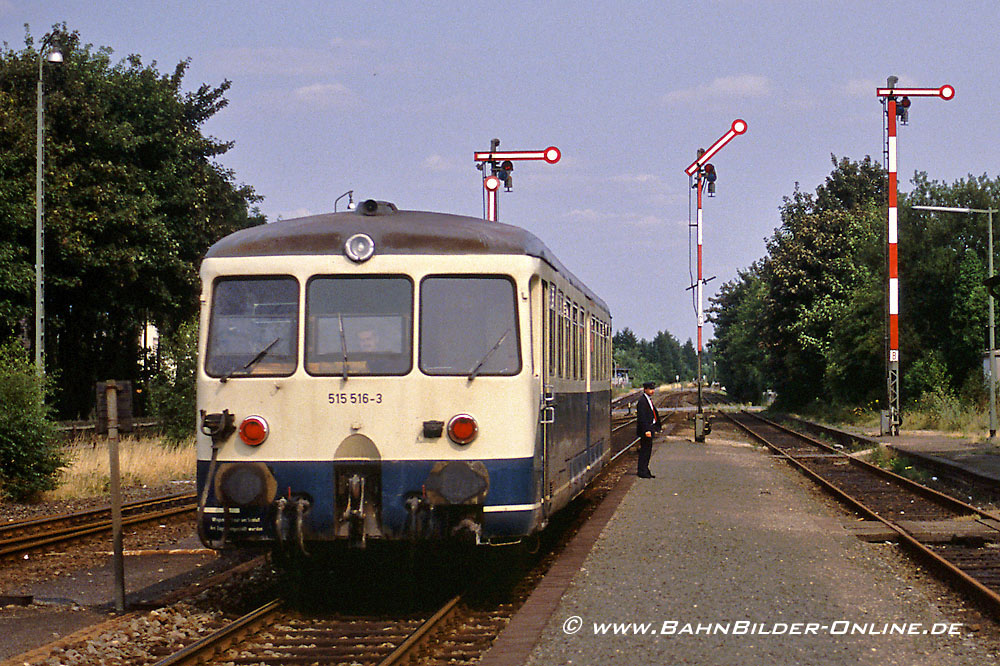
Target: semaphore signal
704	172
896	103
501	163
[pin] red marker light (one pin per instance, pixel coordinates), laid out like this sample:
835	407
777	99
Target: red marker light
462	429
254	430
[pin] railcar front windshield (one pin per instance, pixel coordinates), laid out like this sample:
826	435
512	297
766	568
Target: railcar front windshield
468	326
359	325
253	328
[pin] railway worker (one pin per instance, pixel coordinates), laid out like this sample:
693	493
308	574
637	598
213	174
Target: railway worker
647	422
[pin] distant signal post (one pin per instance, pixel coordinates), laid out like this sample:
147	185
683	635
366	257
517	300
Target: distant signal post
704	172
896	104
497	166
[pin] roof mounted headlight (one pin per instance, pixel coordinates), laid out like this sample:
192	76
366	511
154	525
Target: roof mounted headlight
359	247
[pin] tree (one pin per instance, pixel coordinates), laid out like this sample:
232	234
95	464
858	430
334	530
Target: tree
29	455
661	360
736	313
942	261
134	197
172	388
809	318
790	321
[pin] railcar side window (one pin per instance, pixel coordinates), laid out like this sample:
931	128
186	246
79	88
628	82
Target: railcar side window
253	327
359	325
468	326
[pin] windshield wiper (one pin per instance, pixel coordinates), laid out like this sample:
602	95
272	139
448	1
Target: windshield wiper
343	343
252	362
475	370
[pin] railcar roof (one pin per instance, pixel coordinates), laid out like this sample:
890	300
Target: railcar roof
398	232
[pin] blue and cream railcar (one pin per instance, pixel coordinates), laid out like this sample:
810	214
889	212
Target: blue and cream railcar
394	375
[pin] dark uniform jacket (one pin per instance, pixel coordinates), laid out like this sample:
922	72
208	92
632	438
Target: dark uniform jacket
646	421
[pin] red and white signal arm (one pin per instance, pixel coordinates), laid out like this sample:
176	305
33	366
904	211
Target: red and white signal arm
738	127
945	92
550	155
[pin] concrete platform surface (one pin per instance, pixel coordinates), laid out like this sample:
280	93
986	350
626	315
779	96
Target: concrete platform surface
729	557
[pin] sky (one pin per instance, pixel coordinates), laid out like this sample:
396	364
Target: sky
391	100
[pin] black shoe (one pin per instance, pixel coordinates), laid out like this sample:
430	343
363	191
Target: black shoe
646	475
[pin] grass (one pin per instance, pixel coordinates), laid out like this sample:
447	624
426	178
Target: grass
899	464
146	461
933	411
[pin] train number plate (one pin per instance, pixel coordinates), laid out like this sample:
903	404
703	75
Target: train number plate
355	398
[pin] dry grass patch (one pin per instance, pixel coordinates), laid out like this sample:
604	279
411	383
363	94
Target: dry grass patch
146	461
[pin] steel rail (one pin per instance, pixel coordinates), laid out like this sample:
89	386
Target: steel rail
413	642
940	466
128	506
986	595
922	490
222	639
29	542
203	649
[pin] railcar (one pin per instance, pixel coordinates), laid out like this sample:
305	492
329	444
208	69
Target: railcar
382	375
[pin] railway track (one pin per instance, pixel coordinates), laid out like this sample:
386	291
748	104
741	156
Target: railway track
957	477
273	634
958	541
18	538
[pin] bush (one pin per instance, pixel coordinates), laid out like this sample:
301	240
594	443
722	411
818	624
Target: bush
30	457
940	410
172	391
928	374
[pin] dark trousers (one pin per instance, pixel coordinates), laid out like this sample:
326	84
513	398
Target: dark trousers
645	450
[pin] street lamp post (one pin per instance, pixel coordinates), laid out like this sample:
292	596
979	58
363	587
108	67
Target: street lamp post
54	55
989	250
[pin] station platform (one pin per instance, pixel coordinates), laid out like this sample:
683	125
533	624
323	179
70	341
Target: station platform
730	557
978	458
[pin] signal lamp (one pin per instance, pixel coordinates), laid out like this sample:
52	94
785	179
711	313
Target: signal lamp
462	429
254	430
710	173
903	110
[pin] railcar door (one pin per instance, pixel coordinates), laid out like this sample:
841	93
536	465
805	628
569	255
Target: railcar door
547	412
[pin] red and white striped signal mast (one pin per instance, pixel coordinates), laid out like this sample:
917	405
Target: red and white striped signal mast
501	164
896	104
703	171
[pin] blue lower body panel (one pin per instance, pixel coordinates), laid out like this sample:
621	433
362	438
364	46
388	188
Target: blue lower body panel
505	506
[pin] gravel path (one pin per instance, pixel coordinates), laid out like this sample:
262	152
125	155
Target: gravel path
726	534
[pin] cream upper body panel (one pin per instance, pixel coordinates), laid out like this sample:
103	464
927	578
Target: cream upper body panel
310	416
